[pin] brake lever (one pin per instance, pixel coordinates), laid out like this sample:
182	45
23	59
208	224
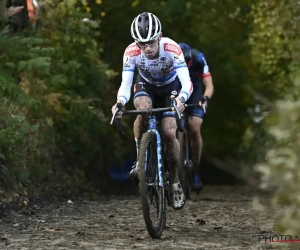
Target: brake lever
174	104
114	115
179	120
118	108
204	108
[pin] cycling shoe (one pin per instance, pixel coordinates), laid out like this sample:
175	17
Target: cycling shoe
177	196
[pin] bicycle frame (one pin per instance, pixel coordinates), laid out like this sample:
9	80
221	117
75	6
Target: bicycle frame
153	127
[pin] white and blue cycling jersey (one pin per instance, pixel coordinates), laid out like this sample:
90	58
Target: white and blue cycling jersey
159	72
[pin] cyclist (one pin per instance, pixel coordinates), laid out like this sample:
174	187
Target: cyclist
200	75
162	73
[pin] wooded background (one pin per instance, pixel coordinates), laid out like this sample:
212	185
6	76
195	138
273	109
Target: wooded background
58	83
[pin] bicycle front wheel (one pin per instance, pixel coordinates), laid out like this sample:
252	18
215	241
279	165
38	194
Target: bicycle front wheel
183	171
152	195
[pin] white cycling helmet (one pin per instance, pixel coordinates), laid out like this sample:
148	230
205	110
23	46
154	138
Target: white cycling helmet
145	27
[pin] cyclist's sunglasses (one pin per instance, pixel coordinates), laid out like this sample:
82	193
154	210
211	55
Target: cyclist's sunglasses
142	45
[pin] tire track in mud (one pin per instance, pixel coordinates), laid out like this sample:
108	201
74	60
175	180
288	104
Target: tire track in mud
221	217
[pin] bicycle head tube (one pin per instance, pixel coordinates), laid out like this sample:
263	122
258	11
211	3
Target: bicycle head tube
152	122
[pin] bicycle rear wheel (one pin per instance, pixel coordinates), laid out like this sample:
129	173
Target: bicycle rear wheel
152	195
183	171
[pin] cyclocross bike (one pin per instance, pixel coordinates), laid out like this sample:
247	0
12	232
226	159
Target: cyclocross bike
185	170
153	171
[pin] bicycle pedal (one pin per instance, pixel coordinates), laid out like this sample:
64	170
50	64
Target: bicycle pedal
167	176
185	164
188	164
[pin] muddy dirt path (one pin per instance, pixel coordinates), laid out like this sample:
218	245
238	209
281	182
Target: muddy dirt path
220	218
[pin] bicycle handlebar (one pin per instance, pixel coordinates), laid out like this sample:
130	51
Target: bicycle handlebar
149	112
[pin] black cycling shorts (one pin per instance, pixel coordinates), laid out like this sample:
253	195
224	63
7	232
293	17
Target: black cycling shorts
195	99
160	96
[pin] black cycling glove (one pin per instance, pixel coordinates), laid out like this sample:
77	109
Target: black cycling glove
204	99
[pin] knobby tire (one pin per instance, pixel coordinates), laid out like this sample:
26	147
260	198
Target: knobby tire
148	144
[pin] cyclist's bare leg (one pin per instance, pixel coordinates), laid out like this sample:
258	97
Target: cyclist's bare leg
196	140
140	123
168	131
139	127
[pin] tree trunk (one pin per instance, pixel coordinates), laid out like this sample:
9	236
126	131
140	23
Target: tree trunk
2	9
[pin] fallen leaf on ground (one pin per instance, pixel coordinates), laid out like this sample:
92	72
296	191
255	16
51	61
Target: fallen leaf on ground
52	229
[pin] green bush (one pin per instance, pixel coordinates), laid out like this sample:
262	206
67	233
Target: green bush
275	48
56	85
26	147
280	170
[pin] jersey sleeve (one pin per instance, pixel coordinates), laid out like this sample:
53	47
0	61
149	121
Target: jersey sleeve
181	69
202	63
129	60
